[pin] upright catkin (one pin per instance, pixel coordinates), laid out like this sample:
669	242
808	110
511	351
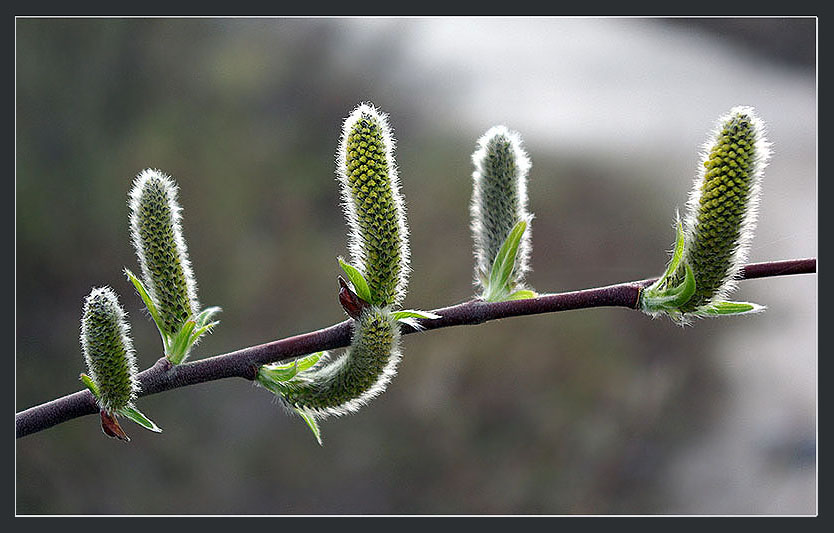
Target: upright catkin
499	200
373	206
108	350
156	233
722	206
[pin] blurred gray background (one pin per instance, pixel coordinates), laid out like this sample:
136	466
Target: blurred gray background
600	411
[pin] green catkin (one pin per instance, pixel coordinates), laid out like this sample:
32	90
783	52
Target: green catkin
156	232
722	207
374	210
499	200
344	384
378	242
108	350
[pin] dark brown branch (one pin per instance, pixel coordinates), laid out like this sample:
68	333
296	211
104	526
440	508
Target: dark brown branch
244	363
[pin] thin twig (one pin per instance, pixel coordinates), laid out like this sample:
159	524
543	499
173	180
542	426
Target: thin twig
244	363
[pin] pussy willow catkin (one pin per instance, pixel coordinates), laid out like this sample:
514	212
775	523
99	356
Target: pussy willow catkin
343	385
108	350
378	243
499	200
374	210
722	206
156	232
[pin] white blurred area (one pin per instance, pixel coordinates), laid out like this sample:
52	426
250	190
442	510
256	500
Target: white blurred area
645	89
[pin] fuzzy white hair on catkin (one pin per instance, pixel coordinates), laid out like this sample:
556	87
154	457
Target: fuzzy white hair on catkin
107	294
321	373
763	151
134	202
523	165
355	404
368	110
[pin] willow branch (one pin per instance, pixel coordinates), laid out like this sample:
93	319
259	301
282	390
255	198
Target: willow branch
244	363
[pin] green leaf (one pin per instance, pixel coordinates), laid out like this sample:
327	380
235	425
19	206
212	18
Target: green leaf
655	299
285	372
672	267
143	293
730	308
678	252
312	424
135	415
414	313
410	316
265	379
502	267
522	294
358	280
195	336
206	315
90	384
181	343
679	295
308	361
280	373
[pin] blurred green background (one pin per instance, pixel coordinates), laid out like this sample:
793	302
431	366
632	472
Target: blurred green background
601	411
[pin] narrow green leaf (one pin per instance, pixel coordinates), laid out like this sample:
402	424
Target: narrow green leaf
206	315
410	316
143	293
357	279
308	361
265	380
90	384
659	286
280	373
678	253
284	372
687	288
135	415
414	313
730	308
495	294
180	345
195	336
502	267
312	424
184	335
522	294
670	298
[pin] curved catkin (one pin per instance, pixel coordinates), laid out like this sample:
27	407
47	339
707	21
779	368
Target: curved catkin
721	211
156	232
108	349
378	242
499	199
343	385
373	206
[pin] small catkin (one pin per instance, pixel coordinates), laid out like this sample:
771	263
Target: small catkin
499	199
374	209
722	206
108	349
156	232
